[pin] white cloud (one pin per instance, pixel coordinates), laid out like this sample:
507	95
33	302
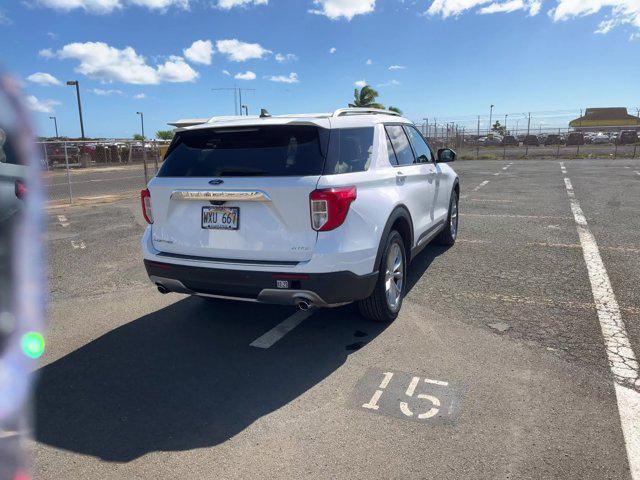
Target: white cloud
292	78
105	93
281	58
229	4
238	51
44	79
46	53
52	35
360	83
226	72
390	83
333	50
108	6
102	62
448	8
621	12
248	75
335	9
4	19
200	51
369	62
42	106
140	96
397	67
634	36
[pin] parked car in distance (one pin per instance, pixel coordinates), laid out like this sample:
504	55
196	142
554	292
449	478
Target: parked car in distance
510	141
574	139
628	137
601	139
55	154
309	210
531	141
553	139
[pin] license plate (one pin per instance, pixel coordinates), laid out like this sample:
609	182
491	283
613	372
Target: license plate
220	218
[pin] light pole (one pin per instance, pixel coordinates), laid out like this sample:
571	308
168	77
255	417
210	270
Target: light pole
505	123
55	123
426	130
141	125
490	116
75	83
246	110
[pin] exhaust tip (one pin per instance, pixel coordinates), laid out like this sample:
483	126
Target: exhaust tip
304	305
162	289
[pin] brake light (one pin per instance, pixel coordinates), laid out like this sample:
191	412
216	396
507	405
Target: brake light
20	189
147	213
329	207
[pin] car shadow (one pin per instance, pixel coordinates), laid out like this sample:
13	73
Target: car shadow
185	377
421	263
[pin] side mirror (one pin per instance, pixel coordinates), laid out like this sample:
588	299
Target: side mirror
446	155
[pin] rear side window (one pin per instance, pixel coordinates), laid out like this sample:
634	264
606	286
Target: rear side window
261	151
423	152
400	144
350	150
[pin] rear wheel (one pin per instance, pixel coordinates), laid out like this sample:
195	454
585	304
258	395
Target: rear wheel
385	302
448	235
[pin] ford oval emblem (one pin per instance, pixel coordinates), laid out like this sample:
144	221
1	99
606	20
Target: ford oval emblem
216	181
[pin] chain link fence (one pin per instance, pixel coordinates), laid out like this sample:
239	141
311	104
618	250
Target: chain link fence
563	143
72	154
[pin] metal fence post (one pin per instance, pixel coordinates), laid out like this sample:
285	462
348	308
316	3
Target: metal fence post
478	140
615	149
558	151
66	161
46	157
144	161
156	155
635	146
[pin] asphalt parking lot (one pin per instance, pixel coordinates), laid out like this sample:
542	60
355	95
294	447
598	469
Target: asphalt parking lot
513	356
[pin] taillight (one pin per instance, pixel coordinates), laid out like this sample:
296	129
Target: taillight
329	207
20	189
147	213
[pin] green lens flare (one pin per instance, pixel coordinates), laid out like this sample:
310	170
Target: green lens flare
32	344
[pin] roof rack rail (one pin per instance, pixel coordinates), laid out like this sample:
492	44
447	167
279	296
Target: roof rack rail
341	112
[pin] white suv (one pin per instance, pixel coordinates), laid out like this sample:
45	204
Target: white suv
307	210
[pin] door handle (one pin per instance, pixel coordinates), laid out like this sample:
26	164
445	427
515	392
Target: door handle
400	178
400	175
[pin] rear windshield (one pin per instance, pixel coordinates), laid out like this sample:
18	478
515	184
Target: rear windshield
274	150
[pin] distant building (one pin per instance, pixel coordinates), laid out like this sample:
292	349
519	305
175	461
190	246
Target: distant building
606	119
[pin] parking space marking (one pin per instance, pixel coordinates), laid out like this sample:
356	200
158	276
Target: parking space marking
78	245
92	181
276	333
435	400
63	220
510	215
622	360
637	173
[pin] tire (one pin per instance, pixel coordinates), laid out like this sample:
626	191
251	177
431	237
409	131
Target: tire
377	307
448	235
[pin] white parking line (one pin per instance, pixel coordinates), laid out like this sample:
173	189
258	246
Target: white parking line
63	220
93	180
622	360
276	333
637	173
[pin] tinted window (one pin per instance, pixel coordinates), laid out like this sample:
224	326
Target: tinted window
392	155
400	143
423	153
351	150
274	150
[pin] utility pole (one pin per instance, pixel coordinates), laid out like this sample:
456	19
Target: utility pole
529	124
505	123
246	110
77	85
141	124
426	128
55	123
237	97
490	116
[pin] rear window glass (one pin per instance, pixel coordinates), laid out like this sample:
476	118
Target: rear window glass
274	150
351	150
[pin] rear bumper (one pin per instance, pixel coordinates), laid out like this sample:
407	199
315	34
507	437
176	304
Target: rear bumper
286	288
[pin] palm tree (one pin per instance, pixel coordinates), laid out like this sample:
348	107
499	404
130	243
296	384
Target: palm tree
395	109
365	98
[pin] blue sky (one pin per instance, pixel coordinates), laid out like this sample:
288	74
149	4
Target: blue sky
453	58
